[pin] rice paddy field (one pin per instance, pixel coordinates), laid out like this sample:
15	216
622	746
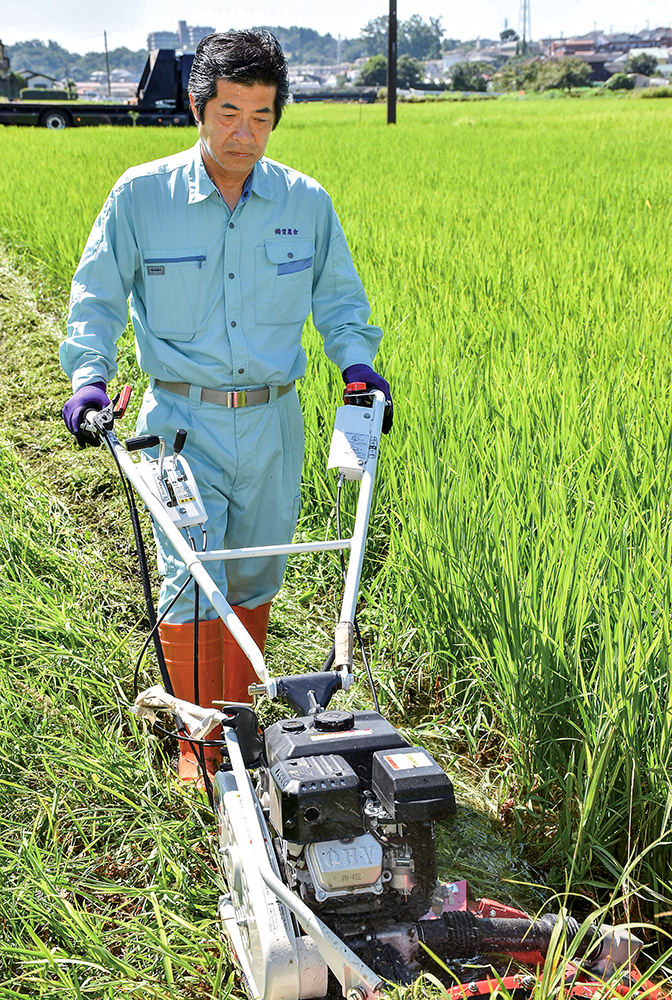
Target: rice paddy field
517	594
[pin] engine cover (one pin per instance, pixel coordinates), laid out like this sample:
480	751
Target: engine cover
345	866
303	737
311	797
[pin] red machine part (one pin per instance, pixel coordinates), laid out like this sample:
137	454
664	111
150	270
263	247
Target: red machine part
122	400
577	984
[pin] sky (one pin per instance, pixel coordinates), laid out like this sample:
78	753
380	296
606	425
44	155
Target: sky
78	25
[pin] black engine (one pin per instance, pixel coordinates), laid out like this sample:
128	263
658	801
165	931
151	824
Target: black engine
353	806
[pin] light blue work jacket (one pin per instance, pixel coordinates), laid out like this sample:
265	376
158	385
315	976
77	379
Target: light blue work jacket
217	298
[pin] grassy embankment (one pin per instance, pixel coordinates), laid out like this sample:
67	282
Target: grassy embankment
515	255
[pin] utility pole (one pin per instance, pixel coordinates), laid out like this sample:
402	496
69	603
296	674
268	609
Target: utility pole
392	64
525	26
107	66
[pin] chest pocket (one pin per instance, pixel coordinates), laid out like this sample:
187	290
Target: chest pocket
284	280
174	291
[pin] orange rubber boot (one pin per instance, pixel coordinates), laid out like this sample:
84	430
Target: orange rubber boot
178	649
238	671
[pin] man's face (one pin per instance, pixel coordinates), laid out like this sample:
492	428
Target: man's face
236	125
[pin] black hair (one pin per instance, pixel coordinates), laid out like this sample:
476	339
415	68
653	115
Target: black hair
246	57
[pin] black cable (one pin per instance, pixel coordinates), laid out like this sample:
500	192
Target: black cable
144	569
150	635
332	655
198	749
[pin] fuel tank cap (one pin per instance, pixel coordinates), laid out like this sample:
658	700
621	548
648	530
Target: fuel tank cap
336	721
293	726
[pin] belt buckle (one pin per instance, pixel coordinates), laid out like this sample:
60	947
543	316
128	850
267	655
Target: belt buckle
236	397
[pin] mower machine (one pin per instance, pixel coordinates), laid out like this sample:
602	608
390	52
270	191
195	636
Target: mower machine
326	819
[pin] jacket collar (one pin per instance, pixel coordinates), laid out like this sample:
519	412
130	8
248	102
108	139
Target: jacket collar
261	180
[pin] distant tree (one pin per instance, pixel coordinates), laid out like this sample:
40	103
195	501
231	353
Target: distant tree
619	81
51	58
437	28
417	38
120	58
563	74
518	74
16	85
467	76
643	63
301	45
305	45
420	39
409	72
374	35
352	48
58	62
373	72
509	35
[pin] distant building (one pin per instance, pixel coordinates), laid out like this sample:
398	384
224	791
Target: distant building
162	40
5	74
571	46
197	32
183	34
186	37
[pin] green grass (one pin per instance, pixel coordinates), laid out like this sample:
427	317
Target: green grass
517	588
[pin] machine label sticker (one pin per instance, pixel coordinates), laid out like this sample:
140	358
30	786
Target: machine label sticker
183	492
402	761
338	736
359	444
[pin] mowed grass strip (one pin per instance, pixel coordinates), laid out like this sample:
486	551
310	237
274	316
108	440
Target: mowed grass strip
107	871
516	255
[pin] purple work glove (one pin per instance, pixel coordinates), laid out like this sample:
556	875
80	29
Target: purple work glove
89	397
363	373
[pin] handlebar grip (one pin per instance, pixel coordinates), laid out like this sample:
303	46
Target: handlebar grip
143	441
90	411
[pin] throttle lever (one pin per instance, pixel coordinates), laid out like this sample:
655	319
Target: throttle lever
180	438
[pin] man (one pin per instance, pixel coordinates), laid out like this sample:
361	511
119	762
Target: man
222	254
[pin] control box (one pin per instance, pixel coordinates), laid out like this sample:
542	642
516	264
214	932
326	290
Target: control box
352	442
172	483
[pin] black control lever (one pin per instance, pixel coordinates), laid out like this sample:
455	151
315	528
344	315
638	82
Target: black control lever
180	438
143	441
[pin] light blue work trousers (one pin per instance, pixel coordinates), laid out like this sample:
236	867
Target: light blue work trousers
247	462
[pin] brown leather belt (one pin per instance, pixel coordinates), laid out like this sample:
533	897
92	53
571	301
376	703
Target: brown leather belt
224	397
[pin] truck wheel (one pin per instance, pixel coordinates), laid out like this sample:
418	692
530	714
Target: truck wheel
55	119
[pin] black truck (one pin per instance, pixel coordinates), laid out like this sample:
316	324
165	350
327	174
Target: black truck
161	100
